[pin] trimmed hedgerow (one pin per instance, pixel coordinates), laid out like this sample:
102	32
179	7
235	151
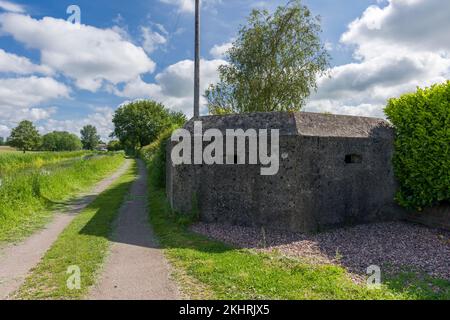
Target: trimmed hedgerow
422	146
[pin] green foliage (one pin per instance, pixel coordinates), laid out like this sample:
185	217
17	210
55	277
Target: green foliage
89	137
139	123
155	156
60	141
114	145
422	145
12	162
27	196
2	141
274	63
25	137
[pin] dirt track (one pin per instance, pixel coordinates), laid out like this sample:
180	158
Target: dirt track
16	260
136	268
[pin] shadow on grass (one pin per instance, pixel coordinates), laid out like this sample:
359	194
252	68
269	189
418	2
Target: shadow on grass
128	222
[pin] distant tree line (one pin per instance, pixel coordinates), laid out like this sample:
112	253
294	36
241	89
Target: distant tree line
26	137
136	125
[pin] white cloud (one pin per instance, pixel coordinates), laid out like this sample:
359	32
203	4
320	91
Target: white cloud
13	115
393	56
189	5
183	5
175	85
11	63
219	51
101	118
11	7
403	24
89	55
30	91
4	131
20	99
152	39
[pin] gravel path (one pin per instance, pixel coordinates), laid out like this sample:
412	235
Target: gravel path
16	260
397	244
136	268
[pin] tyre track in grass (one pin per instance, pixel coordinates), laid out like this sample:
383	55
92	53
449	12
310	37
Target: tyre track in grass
16	260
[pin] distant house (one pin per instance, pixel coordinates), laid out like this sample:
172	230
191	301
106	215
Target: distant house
335	171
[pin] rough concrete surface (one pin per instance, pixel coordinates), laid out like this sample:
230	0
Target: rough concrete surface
16	260
136	268
334	171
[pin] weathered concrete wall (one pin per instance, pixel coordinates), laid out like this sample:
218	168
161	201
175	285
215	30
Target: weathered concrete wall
315	188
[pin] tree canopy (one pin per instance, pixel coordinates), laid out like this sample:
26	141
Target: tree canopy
139	123
89	137
61	141
25	137
273	64
114	145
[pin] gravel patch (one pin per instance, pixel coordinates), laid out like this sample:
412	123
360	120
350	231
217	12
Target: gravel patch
394	244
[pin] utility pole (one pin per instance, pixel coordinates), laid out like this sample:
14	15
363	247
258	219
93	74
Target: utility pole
197	61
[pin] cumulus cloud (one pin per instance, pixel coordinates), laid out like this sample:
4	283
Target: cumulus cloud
11	7
11	63
20	99
30	91
13	115
396	48
402	24
219	51
182	5
101	118
152	39
89	55
4	131
189	5
175	85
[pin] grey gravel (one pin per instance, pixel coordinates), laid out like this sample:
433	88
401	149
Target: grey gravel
394	244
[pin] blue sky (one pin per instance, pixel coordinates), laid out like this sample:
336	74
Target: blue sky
63	78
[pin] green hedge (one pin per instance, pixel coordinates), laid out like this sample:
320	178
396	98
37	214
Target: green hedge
155	157
422	155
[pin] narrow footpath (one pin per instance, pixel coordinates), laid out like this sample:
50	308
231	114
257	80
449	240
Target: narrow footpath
136	268
16	260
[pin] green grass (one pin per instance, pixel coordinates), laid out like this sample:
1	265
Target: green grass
224	272
84	243
11	162
28	197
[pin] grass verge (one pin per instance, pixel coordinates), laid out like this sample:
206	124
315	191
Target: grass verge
28	198
84	244
224	272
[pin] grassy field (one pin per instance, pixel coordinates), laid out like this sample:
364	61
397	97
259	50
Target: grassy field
11	162
84	243
27	196
7	149
213	270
